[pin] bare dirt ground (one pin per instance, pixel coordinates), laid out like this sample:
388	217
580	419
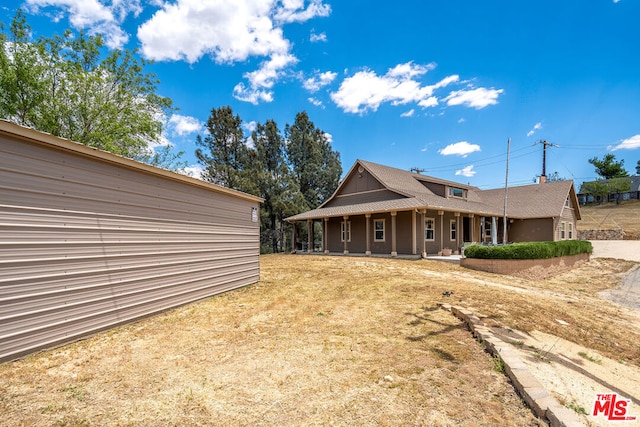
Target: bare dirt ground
335	341
612	216
574	374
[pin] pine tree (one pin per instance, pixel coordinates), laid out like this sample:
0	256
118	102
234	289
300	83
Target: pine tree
315	165
223	152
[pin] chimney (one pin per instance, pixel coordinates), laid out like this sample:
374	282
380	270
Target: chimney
543	179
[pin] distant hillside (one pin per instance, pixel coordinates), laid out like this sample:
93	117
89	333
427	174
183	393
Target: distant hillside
607	216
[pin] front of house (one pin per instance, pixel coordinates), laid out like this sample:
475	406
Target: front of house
382	210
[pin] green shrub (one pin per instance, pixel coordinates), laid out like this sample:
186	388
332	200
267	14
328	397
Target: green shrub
530	250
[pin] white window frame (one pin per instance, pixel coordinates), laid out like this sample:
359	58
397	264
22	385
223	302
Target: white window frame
375	230
487	227
452	191
570	231
563	230
432	229
453	230
348	231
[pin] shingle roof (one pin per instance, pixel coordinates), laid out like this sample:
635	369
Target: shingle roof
533	201
530	201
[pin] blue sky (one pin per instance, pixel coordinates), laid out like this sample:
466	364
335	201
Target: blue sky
437	85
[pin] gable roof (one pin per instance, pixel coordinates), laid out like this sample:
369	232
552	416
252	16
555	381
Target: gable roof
531	201
535	200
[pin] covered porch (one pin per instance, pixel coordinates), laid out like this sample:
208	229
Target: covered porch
415	233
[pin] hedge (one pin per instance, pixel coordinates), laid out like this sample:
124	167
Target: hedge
531	250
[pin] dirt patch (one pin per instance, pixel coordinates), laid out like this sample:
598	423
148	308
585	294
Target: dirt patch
321	341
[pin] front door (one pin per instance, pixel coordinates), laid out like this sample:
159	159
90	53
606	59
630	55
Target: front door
466	229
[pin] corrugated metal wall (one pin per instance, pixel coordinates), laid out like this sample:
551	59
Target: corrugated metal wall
89	240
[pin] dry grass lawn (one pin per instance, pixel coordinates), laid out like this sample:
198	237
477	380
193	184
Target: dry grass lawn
319	340
610	216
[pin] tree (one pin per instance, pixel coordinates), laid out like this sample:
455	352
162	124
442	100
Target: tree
608	168
619	186
226	157
638	168
597	189
70	87
315	165
281	194
163	157
554	177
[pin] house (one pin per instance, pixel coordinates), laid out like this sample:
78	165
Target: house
633	193
378	209
90	240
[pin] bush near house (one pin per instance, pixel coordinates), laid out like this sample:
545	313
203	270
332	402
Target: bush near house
531	250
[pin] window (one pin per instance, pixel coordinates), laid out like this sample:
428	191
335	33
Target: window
457	192
378	230
570	231
566	203
453	228
487	227
563	227
345	231
429	229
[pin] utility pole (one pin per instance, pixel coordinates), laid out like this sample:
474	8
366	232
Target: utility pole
417	170
506	189
545	144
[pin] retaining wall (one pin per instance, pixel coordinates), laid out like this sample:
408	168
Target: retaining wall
601	234
525	267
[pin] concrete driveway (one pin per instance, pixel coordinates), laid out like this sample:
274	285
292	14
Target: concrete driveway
621	249
628	293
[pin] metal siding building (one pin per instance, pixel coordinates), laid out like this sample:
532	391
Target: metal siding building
89	240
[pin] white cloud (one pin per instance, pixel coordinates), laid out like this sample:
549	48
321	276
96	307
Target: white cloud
408	113
322	37
477	98
462	148
468	171
461	120
627	144
229	32
184	125
365	90
293	11
315	102
93	15
263	79
315	83
536	127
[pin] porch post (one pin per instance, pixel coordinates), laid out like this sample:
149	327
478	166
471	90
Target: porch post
368	234
346	234
441	215
456	250
309	236
325	235
494	231
471	221
293	237
394	251
414	249
423	214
